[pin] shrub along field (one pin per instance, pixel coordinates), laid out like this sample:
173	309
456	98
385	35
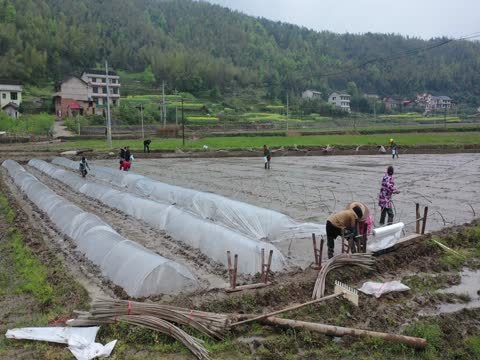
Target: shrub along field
38	124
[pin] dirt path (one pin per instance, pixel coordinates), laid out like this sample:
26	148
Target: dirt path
60	130
211	275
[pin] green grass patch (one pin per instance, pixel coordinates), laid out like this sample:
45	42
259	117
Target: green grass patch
202	118
473	346
426	282
429	331
32	271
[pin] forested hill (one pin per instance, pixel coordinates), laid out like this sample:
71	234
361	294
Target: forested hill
197	46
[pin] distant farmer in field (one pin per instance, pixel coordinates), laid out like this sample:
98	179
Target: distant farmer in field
385	197
393	147
267	156
83	166
146	145
342	220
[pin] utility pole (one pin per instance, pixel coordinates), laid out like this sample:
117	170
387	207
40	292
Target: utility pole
183	126
375	108
287	112
445	119
109	120
164	106
141	116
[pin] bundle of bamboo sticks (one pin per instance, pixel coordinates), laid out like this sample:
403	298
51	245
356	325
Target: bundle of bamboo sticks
365	261
157	317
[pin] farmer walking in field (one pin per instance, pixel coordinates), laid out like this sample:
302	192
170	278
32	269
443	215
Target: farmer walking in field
394	148
83	166
267	156
385	198
343	220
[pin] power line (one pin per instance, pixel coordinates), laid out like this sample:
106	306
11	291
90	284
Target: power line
402	54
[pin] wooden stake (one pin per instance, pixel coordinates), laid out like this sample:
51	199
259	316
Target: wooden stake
235	267
230	270
424	223
417	223
267	270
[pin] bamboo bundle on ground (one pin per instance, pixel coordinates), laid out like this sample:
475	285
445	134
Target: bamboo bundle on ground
365	261
104	310
418	343
150	322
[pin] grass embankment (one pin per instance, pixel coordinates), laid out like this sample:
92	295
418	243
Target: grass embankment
34	287
456	139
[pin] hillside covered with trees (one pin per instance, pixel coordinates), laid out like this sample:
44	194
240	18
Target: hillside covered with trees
197	47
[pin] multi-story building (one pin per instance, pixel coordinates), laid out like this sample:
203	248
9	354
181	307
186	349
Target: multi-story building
10	97
311	95
97	82
340	100
434	103
71	98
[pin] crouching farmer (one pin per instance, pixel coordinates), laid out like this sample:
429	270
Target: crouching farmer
342	220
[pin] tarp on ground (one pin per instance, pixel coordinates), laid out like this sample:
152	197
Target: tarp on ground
211	239
252	221
136	269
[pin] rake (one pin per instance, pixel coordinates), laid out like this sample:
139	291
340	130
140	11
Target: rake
341	289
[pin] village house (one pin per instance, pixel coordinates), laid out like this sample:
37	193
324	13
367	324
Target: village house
97	82
311	95
340	100
71	98
434	103
10	97
86	95
393	104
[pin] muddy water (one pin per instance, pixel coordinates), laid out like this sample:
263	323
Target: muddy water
311	187
470	285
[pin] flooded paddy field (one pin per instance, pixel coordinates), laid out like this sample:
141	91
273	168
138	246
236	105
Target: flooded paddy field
310	188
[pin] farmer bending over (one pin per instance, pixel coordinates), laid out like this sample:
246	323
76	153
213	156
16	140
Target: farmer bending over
342	220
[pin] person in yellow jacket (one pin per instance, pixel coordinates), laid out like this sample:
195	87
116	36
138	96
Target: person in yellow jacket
342	220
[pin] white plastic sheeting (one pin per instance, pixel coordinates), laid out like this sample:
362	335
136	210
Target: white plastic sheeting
211	239
138	270
385	237
378	289
252	221
81	341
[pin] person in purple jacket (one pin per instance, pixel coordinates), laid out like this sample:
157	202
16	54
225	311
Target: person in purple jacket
385	197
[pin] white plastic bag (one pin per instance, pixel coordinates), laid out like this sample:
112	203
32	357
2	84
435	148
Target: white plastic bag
378	289
80	340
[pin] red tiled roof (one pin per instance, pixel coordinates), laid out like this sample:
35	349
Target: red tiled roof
74	106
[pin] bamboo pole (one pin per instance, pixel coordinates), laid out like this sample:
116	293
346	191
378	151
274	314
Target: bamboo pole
290	308
418	343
